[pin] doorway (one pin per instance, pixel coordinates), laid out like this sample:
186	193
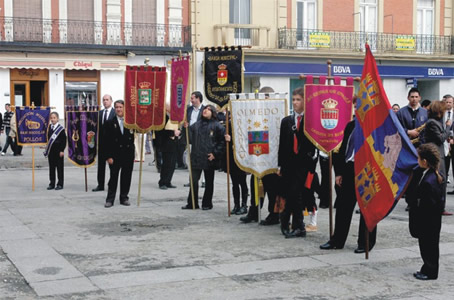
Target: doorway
29	86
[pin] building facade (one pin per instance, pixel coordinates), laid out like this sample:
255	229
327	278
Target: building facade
62	52
411	40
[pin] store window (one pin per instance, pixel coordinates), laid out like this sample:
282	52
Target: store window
81	87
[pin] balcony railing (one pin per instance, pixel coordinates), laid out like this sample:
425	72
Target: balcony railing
354	42
98	33
242	35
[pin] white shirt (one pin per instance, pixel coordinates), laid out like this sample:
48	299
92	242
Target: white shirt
445	118
120	122
296	115
194	115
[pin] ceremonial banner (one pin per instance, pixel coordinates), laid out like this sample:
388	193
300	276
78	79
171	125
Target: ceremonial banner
145	98
327	110
82	131
384	155
223	72
255	133
32	125
179	89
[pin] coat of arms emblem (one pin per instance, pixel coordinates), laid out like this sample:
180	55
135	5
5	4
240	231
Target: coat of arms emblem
258	142
329	114
222	74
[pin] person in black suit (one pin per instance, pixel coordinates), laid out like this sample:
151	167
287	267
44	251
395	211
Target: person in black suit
168	139
56	137
425	204
345	204
105	115
120	156
296	159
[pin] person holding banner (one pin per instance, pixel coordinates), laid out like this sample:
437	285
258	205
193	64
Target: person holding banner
105	115
296	161
208	143
120	156
54	152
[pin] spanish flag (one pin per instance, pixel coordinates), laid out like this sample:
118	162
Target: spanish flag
384	156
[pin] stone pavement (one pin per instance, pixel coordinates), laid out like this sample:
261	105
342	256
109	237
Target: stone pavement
66	245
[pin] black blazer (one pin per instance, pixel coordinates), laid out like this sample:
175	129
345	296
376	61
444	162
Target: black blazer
117	144
188	117
290	162
59	144
339	157
102	127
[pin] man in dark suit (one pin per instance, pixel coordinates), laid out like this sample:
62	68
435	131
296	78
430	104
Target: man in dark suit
120	156
296	159
345	178
168	139
105	115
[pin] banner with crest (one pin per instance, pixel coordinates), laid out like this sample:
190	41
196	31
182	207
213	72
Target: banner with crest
145	98
32	123
256	123
223	73
179	88
82	131
327	110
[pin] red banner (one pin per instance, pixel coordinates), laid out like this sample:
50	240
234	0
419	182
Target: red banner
179	89
145	98
327	110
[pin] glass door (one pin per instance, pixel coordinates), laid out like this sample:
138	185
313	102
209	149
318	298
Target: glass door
20	95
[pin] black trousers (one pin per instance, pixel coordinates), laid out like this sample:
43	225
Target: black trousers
9	140
207	200
269	187
101	169
17	149
125	165
181	147
55	163
324	185
167	169
239	186
344	212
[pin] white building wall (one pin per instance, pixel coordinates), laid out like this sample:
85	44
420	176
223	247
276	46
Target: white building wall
4	89
279	84
113	83
57	91
446	87
396	90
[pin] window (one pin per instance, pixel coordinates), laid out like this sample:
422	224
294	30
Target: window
28	25
240	13
305	21
81	14
368	15
425	17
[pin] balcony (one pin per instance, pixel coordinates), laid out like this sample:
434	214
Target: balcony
242	35
351	42
42	32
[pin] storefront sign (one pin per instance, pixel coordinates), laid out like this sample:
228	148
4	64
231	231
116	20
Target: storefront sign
319	40
405	42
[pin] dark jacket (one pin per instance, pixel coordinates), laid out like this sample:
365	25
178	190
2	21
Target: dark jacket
339	157
118	146
165	140
436	134
206	136
102	129
59	144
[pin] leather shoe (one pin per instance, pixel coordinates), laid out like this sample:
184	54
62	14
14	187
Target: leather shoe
329	246
269	221
59	187
163	187
108	204
248	219
170	186
359	250
50	187
450	193
97	189
125	203
421	276
207	207
446	213
296	233
187	185
188	207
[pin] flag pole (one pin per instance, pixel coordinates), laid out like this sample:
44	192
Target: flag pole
190	167
330	180
227	118
140	170
367	243
86	181
33	168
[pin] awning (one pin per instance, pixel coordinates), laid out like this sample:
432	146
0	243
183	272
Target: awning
62	61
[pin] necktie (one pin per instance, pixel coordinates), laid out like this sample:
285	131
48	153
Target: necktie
104	117
120	122
449	115
295	140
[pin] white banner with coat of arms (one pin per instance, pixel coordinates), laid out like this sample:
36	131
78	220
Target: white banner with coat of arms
255	131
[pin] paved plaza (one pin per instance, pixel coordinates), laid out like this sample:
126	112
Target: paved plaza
66	245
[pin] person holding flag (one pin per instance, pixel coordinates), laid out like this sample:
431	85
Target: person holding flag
54	152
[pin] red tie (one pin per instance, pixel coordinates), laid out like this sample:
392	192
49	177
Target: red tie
295	140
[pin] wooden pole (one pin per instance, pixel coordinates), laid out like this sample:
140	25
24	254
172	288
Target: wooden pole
227	118
330	194
367	243
86	181
256	194
33	168
188	147
140	169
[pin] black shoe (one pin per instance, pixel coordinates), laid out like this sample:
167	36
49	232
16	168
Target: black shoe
50	187
328	246
359	250
108	204
125	203
207	207
187	185
59	187
97	189
421	276
270	220
188	207
170	186
163	187
296	233
242	210
285	231
449	193
235	210
248	219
